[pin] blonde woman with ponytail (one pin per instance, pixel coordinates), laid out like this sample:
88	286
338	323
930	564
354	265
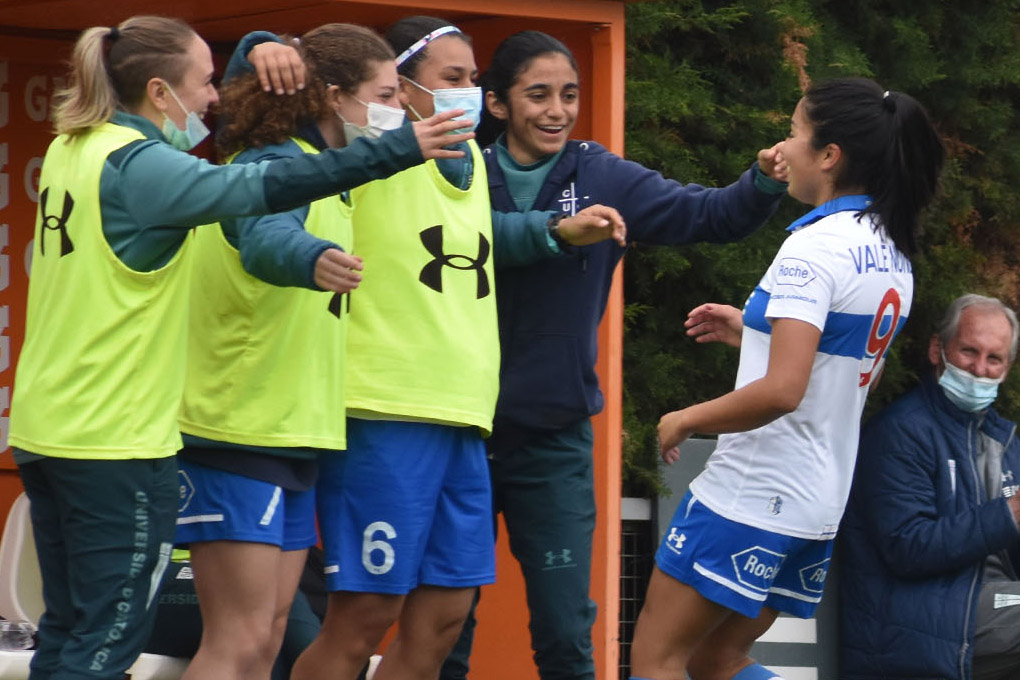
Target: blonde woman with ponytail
99	382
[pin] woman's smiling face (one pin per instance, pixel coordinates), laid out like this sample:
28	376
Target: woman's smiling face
541	108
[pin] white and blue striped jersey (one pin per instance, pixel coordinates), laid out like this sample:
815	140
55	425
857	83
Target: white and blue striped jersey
840	274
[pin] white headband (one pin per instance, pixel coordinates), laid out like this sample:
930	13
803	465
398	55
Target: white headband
420	45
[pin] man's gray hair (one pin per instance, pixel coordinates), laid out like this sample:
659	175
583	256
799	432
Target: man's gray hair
951	321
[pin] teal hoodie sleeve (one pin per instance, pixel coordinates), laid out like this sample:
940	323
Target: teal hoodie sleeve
276	248
151	193
161	185
522	238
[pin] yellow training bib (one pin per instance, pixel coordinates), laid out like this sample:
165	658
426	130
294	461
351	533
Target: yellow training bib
266	363
423	340
102	369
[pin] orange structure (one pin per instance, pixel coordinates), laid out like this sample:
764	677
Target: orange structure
35	40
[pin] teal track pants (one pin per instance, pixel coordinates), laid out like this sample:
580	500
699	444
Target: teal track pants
103	532
545	490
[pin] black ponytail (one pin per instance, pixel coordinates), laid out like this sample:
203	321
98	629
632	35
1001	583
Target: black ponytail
889	148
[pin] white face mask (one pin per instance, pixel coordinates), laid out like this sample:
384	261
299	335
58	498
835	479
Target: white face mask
381	118
194	129
967	391
467	98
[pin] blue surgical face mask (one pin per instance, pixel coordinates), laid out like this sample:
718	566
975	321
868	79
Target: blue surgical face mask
968	392
380	119
448	99
194	129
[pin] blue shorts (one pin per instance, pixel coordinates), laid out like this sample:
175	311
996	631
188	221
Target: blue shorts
407	504
216	505
741	567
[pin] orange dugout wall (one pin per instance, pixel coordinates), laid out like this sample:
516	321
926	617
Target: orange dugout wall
35	39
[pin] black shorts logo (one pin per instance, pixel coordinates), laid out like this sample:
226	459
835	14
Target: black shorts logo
340	303
54	223
432	273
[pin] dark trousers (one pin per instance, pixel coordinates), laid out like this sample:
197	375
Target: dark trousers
103	532
545	490
997	638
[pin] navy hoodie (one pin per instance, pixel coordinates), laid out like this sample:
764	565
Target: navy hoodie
549	311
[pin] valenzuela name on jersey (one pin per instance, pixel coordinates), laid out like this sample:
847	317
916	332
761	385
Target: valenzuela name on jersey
879	258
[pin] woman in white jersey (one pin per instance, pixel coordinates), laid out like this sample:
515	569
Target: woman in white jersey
753	535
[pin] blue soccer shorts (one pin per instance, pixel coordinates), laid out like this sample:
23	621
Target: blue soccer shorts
741	567
407	504
216	505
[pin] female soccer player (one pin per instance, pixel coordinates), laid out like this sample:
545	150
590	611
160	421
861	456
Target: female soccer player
753	535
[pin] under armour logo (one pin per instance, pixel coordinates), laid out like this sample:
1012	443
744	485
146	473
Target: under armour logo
432	273
54	223
563	559
675	541
340	303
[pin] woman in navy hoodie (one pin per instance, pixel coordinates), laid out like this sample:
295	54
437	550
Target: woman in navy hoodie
540	453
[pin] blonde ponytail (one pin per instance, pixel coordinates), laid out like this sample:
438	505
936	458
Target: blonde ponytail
111	68
89	98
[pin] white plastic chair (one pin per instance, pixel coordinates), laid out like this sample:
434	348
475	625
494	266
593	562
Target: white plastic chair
21	585
21	600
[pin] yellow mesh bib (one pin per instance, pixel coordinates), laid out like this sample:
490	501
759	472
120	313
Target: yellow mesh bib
102	368
266	363
423	340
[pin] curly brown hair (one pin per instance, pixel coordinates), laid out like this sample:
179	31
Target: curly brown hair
345	55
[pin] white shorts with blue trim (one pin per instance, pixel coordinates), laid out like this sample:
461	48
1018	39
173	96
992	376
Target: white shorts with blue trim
216	505
407	504
741	567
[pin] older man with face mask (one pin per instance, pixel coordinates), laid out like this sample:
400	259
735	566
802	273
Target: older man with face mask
930	549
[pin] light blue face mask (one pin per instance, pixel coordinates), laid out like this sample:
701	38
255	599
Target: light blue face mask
194	129
448	99
968	392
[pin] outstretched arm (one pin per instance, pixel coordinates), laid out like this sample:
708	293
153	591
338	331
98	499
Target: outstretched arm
663	211
525	238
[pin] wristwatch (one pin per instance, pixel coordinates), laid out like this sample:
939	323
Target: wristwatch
554	232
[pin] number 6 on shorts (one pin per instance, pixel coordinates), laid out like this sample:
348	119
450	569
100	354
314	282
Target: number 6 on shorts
371	545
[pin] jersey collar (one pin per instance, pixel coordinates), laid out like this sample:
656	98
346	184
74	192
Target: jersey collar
856	203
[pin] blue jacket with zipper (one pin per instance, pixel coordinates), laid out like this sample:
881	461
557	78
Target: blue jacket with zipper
549	311
915	537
